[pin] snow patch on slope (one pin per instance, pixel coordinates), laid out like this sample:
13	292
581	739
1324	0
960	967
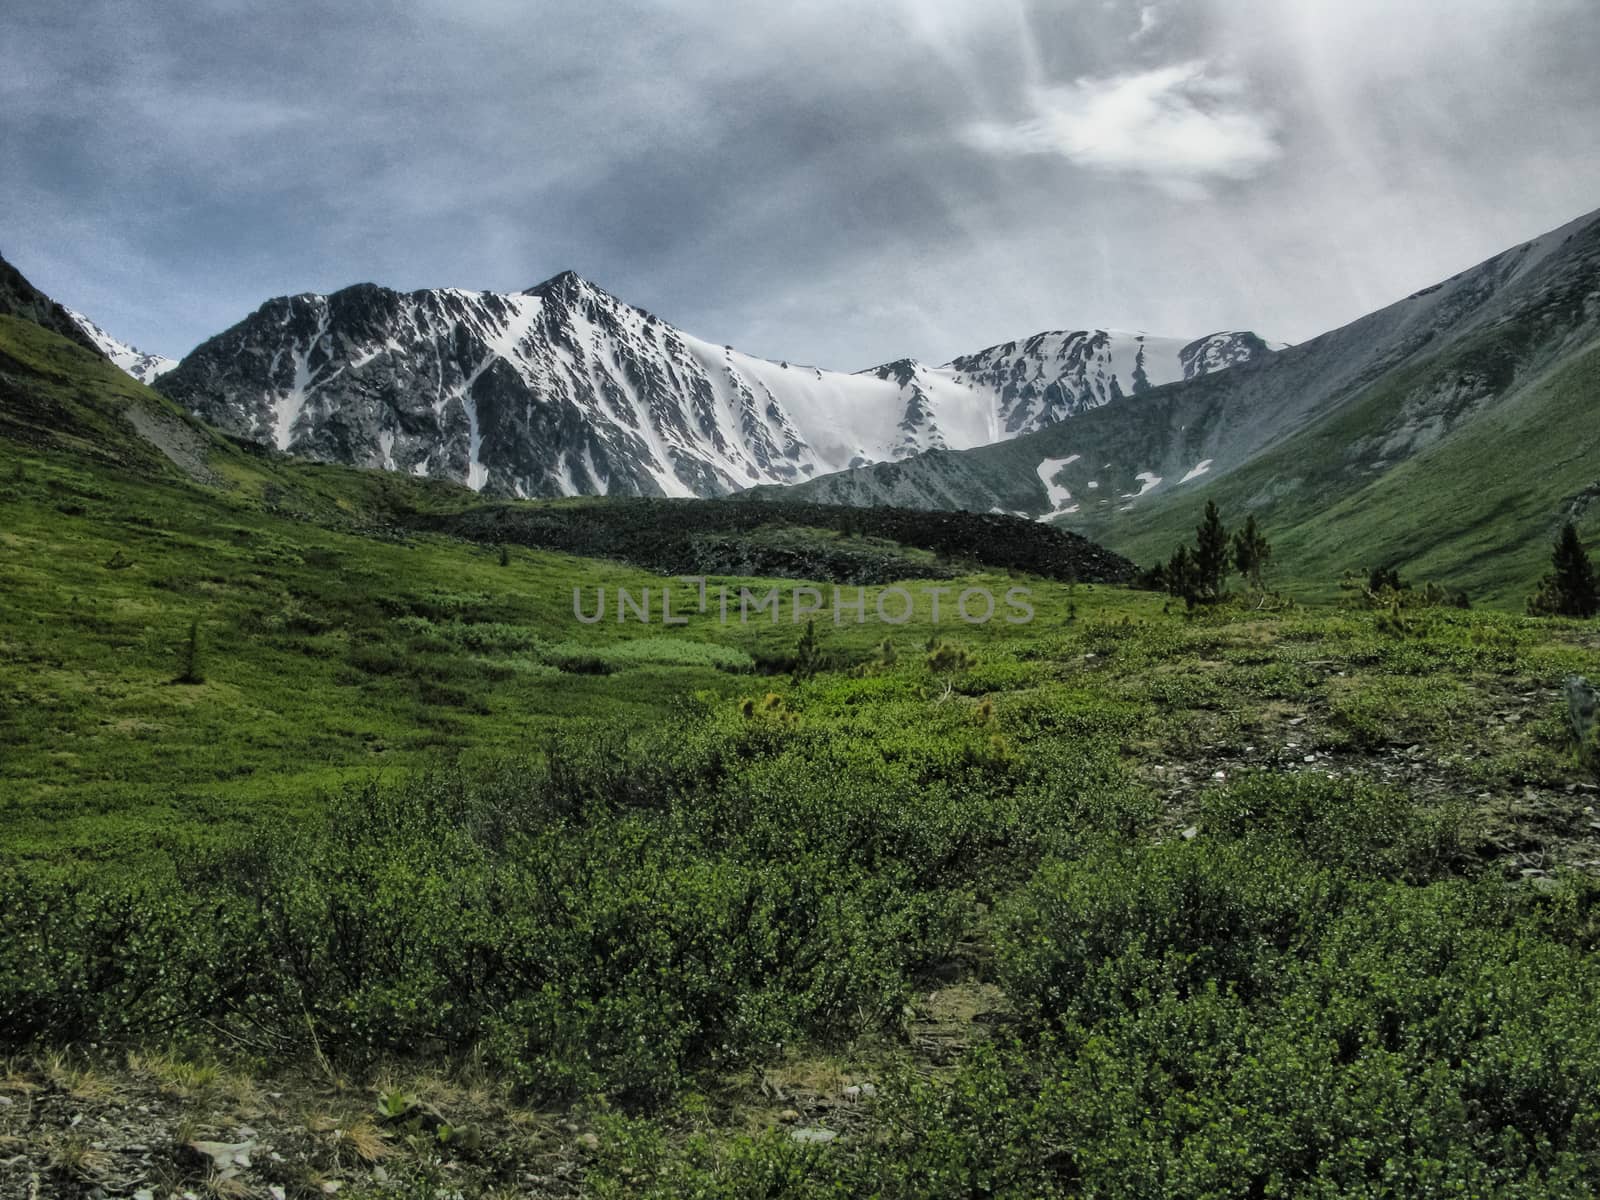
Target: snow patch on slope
146	368
1048	470
1147	480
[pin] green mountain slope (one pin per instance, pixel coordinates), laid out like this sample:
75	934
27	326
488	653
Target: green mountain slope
1450	433
1478	509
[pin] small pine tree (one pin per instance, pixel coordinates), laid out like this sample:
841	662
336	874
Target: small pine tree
505	557
1182	579
807	654
1210	554
1251	552
1569	590
189	658
947	657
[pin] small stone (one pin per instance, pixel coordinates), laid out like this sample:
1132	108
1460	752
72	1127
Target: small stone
276	1192
589	1141
331	1187
225	1154
6	1102
817	1136
1219	774
852	1093
788	1116
1309	758
868	1090
1191	833
147	1194
1582	706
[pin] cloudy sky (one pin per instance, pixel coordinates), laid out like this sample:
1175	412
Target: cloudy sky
829	181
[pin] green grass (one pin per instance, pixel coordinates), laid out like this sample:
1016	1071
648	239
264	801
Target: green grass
326	655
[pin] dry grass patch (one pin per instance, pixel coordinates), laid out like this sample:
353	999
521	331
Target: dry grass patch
359	1140
81	1083
72	1157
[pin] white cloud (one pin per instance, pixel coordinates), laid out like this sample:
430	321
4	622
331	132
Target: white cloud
1176	126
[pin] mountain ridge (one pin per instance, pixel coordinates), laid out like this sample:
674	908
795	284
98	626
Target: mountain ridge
564	389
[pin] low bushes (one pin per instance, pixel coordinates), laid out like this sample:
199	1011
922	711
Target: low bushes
1304	1000
609	919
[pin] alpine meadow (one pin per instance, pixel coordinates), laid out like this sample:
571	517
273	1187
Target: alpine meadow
496	743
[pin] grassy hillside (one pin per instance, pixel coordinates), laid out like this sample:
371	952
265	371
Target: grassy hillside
326	653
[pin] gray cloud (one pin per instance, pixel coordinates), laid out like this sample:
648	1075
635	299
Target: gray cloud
831	182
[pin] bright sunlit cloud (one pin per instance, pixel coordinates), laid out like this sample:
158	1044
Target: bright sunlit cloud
1175	126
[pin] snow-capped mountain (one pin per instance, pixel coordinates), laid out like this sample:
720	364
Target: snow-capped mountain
146	368
563	389
1052	376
